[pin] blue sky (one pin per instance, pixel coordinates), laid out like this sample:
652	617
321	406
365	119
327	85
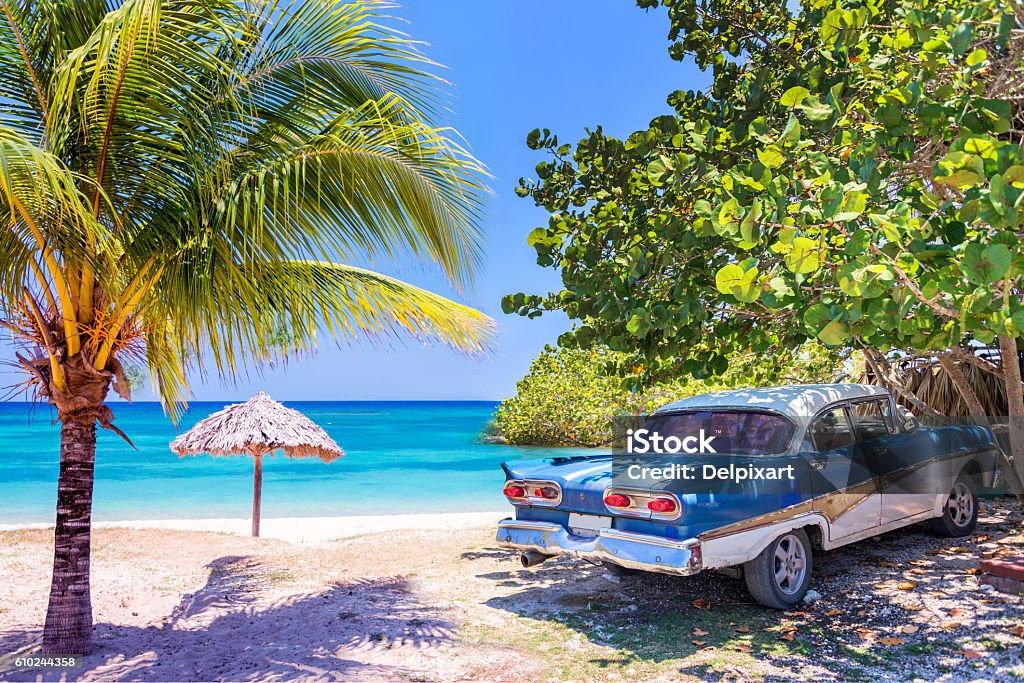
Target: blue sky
514	66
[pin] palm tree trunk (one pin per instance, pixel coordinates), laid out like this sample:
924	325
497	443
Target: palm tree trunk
68	629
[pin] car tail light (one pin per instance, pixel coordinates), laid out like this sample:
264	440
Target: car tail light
644	503
662	505
515	492
533	492
617	500
546	492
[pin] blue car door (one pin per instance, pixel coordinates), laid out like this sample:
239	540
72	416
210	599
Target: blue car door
906	480
843	478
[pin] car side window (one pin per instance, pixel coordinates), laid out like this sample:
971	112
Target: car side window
872	419
831	430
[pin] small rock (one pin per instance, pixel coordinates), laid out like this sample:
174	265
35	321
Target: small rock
812	596
611	577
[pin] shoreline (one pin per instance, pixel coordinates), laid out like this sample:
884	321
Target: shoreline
303	529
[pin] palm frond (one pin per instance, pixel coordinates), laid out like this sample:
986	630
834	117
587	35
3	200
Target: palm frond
46	218
373	185
196	173
265	312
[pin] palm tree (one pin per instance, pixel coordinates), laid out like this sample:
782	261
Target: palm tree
184	183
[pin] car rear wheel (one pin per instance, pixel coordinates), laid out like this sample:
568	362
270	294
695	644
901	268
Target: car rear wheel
780	575
960	513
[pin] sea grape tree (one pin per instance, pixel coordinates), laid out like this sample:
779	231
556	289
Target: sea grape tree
854	174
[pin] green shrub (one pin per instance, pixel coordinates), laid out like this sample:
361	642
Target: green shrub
568	399
564	400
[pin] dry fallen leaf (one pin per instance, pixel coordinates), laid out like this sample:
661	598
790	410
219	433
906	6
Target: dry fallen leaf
921	563
918	571
907	585
958	549
890	641
968	654
699	643
955	612
865	633
915	607
862	613
909	629
982	538
700	632
743	648
788	635
951	625
890	565
971	570
833	612
743	629
701	603
1017	630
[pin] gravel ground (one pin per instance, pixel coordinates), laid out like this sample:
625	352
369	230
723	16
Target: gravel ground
903	606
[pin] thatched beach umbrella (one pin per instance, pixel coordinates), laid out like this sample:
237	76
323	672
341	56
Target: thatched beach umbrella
258	427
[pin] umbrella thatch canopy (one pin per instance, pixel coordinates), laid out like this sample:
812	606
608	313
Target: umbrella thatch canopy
258	427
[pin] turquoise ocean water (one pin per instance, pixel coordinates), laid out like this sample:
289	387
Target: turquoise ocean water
401	457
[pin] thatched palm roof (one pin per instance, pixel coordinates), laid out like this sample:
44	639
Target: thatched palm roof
258	427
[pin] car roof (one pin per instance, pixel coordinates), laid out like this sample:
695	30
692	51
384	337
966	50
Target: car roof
797	401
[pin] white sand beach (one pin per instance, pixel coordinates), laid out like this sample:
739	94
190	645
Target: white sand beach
305	529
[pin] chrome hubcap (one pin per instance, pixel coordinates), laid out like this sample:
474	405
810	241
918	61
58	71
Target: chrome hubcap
790	564
960	504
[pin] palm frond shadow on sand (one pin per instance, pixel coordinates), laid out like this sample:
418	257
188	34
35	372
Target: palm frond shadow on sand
228	635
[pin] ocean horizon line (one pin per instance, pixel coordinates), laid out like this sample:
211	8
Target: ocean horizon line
411	449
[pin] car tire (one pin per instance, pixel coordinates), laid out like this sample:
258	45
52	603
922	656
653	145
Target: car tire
960	511
780	576
618	570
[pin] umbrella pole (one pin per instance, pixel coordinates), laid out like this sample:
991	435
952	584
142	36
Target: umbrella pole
257	493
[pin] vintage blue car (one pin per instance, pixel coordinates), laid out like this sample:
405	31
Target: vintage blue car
751	482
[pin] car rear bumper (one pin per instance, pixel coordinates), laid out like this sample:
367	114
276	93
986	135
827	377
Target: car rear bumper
624	548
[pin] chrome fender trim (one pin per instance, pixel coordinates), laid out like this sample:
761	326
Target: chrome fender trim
624	548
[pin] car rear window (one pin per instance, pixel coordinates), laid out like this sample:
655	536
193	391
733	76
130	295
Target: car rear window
734	432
